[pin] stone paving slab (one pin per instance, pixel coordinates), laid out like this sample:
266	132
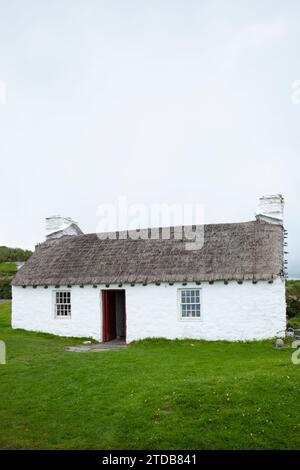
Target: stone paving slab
98	347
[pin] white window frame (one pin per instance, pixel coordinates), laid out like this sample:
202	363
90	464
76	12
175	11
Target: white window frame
62	317
179	304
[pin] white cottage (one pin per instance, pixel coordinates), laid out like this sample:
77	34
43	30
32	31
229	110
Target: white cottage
231	289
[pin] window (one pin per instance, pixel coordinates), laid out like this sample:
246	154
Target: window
189	303
63	304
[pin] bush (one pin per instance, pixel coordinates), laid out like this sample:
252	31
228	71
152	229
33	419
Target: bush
5	288
294	322
293	298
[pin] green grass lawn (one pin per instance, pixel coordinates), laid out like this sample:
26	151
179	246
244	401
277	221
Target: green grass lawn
156	394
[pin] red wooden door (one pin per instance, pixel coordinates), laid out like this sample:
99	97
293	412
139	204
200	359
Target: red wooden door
109	315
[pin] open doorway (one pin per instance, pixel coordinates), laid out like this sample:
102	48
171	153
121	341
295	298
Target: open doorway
114	315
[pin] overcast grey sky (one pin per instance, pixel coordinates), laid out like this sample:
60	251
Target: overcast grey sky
160	100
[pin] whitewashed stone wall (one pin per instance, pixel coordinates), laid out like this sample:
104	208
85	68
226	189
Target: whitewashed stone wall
33	309
230	312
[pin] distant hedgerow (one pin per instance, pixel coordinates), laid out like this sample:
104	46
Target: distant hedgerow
14	254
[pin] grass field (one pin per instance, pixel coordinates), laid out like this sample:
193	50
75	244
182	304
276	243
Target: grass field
156	394
8	269
7	272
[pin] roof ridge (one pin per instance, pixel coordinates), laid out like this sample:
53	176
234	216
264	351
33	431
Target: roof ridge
171	227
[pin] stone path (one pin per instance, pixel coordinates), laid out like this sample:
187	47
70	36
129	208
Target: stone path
98	347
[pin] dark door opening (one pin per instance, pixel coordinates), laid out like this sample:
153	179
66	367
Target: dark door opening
114	315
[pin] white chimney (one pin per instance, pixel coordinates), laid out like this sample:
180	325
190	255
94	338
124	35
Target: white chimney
58	226
270	209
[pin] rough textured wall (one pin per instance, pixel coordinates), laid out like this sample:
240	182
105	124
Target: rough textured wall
71	230
33	309
232	312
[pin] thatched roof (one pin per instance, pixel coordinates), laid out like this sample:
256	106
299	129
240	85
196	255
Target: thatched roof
250	250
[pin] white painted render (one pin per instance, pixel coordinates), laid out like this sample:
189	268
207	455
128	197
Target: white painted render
58	226
231	312
33	309
228	312
270	209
